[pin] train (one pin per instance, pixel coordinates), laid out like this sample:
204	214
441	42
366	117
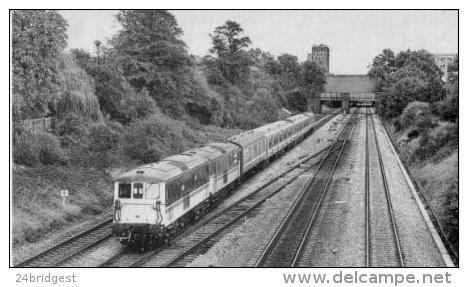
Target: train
156	201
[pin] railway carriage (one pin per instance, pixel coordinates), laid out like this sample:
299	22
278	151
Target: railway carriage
253	145
282	134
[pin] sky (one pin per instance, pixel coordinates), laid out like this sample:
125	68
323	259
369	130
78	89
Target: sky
354	37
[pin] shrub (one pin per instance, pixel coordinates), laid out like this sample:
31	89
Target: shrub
102	138
200	112
413	134
433	140
448	109
450	218
70	124
34	148
147	140
416	112
297	101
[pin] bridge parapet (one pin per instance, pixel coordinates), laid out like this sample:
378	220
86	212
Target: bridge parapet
338	96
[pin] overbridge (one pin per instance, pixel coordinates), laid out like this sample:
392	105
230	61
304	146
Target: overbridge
345	91
346	100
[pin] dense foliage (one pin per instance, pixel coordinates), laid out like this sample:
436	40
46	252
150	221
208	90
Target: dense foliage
406	77
229	46
119	102
38	39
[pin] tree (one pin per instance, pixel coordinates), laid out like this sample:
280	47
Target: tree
448	108
410	76
153	56
97	44
116	97
289	71
452	73
382	66
313	77
38	39
264	60
229	46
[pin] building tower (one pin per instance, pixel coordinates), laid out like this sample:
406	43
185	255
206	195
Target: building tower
443	61
320	55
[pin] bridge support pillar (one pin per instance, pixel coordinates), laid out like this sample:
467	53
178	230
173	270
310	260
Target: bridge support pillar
315	104
345	102
345	105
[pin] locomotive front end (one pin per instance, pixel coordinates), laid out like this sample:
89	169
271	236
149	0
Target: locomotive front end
138	212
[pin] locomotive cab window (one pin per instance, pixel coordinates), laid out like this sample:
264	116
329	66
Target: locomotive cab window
125	190
138	190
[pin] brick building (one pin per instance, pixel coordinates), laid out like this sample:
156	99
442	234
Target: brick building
320	55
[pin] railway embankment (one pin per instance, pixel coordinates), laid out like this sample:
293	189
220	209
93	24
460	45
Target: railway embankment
430	151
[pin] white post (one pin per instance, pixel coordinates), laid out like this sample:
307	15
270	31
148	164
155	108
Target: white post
64	194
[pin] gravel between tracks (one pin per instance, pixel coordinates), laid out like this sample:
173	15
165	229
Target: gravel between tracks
419	248
341	218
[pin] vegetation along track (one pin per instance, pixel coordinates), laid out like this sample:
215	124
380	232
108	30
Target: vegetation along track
382	240
286	245
186	247
71	247
427	203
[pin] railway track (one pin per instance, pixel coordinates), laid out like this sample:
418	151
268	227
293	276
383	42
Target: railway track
286	246
382	238
185	248
366	193
71	247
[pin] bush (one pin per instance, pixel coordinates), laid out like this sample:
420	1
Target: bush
451	218
416	113
102	138
149	139
448	109
433	140
70	124
297	101
413	134
37	148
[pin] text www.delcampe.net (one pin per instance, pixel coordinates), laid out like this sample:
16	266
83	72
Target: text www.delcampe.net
363	277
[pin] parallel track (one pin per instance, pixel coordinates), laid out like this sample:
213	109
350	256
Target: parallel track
366	195
71	247
387	214
286	246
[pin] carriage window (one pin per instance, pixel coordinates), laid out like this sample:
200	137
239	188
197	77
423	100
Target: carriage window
125	190
138	190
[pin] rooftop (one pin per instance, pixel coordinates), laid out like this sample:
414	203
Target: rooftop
349	84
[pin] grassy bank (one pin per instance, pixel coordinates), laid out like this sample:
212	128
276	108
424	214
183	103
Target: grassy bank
432	155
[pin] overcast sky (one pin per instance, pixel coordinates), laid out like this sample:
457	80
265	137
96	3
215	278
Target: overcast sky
354	37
